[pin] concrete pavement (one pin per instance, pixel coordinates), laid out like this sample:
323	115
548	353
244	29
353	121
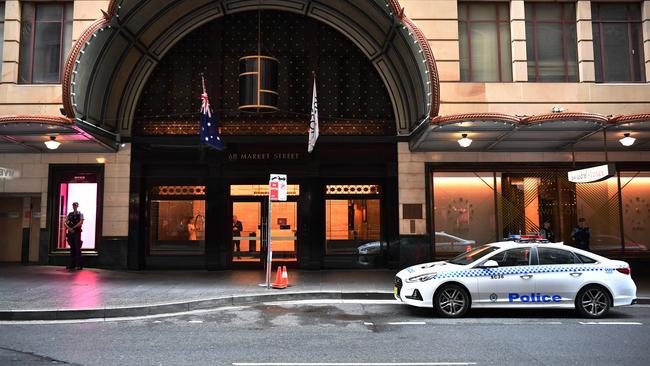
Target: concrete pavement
51	293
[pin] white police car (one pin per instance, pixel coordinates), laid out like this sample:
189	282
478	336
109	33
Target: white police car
514	274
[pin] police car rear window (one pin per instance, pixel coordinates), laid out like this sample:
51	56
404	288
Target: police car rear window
585	259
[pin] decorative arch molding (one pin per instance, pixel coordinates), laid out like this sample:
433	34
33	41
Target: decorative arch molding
111	62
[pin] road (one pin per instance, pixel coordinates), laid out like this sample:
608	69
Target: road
335	333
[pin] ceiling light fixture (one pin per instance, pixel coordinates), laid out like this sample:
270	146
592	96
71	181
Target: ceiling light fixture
627	140
52	144
464	141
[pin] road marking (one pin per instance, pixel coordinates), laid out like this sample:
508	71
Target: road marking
195	321
406	323
326	301
368	323
610	323
353	363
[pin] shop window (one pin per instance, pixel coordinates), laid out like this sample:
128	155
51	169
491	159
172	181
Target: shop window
45	41
597	208
177	220
81	184
463	211
618	42
635	197
484	31
350	222
551	45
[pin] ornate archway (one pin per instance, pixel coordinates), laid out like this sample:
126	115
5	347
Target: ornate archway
113	59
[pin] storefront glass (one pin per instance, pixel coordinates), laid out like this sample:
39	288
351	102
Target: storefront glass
597	207
177	220
478	208
463	211
635	196
352	221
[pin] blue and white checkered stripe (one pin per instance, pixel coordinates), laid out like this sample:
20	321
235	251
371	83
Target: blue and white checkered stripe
479	272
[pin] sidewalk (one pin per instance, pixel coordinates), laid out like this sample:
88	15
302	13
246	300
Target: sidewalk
48	292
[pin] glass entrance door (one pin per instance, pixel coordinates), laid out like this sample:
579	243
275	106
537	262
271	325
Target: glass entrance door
249	225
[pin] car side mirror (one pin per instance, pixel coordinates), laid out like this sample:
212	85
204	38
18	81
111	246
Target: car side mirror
490	264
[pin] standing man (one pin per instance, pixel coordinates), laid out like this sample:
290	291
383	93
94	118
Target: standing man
73	223
236	231
547	233
581	235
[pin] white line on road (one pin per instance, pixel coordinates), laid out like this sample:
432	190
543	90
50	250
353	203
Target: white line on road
195	321
340	301
353	363
406	323
610	323
368	323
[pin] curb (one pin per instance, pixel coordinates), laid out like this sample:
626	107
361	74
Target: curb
157	309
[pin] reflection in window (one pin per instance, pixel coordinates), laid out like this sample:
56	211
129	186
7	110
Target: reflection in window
635	195
598	209
349	222
551	42
464	211
484	31
177	224
45	40
2	30
618	42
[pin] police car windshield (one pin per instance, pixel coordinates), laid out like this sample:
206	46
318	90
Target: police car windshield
471	256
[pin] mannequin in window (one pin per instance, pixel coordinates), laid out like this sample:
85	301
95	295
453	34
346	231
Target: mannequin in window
191	228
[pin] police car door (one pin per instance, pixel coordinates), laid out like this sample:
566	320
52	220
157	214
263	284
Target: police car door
560	275
508	283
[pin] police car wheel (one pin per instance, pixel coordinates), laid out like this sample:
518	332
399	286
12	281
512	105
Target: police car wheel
451	301
593	302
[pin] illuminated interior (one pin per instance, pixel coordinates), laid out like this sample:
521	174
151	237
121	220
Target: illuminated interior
479	208
86	195
177	220
350	223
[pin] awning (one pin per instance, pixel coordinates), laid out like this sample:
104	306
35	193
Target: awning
27	134
548	132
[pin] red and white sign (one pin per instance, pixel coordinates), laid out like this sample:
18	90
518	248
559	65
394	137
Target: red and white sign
278	187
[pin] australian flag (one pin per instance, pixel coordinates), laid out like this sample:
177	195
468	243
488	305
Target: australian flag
209	132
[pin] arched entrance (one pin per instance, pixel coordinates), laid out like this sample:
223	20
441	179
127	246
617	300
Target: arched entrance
376	82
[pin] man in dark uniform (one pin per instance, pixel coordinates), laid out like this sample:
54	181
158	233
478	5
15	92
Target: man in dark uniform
73	223
236	231
581	235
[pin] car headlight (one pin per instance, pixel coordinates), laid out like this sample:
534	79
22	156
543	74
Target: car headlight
422	277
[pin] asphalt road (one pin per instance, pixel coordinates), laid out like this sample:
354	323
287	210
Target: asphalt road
335	333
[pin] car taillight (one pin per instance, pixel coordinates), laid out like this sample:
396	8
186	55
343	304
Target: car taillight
625	270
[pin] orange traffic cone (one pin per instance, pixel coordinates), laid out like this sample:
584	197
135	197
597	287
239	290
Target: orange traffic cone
468	248
278	278
285	277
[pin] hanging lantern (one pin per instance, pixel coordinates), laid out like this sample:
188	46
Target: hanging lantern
258	84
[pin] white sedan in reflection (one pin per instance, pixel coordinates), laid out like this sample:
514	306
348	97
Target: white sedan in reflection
518	275
444	242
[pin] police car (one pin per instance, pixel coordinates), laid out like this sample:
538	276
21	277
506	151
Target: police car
518	274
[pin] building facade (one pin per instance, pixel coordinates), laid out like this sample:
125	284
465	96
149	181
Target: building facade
443	124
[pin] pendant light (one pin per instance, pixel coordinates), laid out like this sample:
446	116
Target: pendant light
258	79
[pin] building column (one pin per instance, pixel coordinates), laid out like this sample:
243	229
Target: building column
586	70
645	23
518	41
11	43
